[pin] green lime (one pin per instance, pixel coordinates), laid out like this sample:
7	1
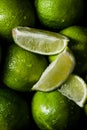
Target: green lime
14	13
78	45
58	14
51	58
22	69
53	111
39	41
14	111
57	72
75	88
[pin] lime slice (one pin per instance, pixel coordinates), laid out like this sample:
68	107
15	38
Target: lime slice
39	41
75	89
56	73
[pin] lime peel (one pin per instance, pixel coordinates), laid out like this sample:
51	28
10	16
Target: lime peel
75	89
39	41
56	73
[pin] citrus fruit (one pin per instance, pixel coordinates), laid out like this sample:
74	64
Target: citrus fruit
53	111
51	58
39	41
78	45
14	111
58	14
56	73
75	89
14	13
22	69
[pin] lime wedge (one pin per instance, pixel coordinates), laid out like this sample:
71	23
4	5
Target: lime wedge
75	89
39	41
56	73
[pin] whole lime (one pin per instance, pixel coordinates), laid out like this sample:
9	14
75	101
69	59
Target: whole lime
53	111
58	14
15	13
21	68
14	111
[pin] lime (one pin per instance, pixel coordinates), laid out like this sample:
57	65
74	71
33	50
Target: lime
78	45
22	69
75	89
14	111
56	73
58	14
14	13
39	41
53	111
51	58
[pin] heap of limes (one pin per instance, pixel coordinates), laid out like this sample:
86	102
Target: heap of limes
43	68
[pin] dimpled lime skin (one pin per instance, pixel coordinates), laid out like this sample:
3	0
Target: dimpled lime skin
15	13
14	111
22	69
58	14
53	111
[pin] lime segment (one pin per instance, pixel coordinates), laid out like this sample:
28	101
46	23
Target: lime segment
75	89
39	41
56	73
